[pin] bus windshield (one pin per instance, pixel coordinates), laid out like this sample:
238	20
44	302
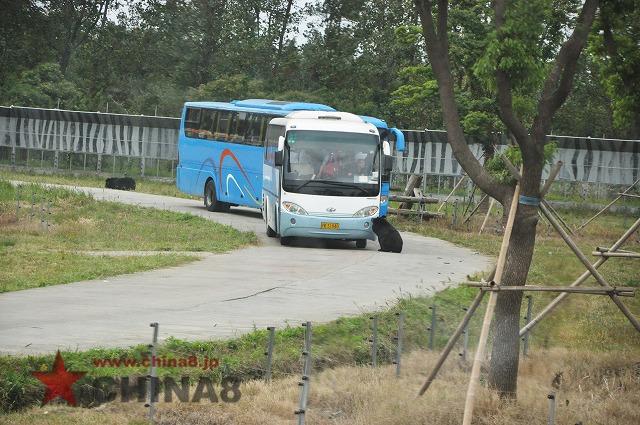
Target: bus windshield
331	163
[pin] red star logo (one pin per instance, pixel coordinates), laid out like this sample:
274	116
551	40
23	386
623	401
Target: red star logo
59	381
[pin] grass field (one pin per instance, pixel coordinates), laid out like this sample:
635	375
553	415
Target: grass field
34	254
144	185
587	336
594	389
585	324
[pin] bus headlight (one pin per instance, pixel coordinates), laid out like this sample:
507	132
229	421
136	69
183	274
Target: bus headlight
294	208
366	212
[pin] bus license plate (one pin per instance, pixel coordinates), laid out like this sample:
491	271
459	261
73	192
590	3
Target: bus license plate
329	226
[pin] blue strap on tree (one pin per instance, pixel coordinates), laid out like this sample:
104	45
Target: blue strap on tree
529	200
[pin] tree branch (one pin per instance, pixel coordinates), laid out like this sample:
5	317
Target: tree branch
558	84
504	95
438	53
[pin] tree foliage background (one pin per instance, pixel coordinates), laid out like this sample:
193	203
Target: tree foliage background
363	56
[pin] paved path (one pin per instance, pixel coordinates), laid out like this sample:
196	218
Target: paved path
227	294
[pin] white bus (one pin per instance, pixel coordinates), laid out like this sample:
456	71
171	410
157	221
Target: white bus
322	177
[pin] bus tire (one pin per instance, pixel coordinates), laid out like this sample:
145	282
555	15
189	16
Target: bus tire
285	240
211	202
361	243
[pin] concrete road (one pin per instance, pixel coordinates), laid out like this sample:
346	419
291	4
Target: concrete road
224	295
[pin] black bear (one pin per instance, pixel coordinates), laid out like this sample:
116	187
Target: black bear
388	237
120	183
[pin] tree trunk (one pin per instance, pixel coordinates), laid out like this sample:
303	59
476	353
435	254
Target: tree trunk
65	58
503	375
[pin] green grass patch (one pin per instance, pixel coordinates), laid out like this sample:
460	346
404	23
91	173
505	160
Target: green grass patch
34	254
143	184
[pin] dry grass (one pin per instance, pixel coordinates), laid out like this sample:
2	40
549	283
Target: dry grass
594	389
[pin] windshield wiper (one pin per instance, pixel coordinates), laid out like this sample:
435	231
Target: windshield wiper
329	182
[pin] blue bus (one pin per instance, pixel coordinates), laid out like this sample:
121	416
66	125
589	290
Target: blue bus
221	148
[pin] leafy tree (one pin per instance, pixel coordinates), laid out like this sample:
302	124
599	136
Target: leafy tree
524	57
617	53
76	20
44	87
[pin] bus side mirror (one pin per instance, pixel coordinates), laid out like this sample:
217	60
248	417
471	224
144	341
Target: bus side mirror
278	158
388	163
281	143
399	139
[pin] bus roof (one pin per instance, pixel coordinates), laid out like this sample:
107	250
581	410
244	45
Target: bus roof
325	121
375	121
280	105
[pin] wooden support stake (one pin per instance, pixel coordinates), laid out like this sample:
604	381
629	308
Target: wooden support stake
413	199
621	291
553	304
531	288
552	176
414	181
486	217
608	205
477	207
564	223
616	254
452	191
630	195
484	333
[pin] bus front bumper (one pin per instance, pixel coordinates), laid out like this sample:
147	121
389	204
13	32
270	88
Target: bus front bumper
349	228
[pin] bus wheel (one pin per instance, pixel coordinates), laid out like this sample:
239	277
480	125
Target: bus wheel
211	202
361	243
285	241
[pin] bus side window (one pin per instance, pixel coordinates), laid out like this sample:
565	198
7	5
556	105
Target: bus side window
240	124
192	122
222	131
207	125
263	127
252	134
271	143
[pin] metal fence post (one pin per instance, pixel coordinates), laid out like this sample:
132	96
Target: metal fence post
17	202
306	372
465	340
432	328
374	341
269	352
42	211
399	337
56	159
527	319
151	396
48	214
551	420
454	215
33	206
99	164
